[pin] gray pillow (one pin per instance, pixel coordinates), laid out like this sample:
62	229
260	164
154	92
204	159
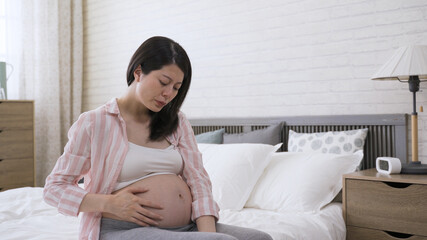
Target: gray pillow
270	135
211	137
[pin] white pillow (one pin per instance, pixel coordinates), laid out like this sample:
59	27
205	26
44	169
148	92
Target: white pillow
301	182
234	170
338	142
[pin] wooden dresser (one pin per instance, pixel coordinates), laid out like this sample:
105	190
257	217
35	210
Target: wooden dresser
378	206
16	144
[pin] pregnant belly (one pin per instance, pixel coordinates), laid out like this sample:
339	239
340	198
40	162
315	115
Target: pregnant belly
171	192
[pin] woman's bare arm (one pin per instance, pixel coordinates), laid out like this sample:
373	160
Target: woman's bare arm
206	224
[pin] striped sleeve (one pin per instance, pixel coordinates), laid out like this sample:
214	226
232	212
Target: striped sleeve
194	173
61	189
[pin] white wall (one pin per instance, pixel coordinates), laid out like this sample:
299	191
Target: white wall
263	58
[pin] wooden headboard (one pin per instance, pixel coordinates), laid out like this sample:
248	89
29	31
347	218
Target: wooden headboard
387	133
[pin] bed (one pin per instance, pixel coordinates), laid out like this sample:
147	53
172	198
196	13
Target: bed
257	181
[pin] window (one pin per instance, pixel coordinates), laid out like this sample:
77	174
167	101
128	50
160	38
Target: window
2	30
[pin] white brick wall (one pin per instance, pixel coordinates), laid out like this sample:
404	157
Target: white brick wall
264	58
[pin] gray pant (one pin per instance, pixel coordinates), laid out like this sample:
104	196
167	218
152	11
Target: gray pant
112	229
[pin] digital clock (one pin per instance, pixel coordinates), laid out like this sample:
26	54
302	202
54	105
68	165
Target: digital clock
388	165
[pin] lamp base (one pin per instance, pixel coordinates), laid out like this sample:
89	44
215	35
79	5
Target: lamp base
414	168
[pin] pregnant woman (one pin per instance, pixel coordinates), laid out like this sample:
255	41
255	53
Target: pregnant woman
143	174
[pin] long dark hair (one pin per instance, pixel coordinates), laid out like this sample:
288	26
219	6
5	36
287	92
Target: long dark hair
153	54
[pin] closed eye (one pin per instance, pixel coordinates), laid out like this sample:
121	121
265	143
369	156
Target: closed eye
177	88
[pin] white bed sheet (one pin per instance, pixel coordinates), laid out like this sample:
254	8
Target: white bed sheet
327	224
24	215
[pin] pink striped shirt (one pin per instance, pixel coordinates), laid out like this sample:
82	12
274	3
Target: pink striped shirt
96	150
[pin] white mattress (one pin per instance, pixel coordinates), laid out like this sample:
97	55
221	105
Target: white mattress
24	215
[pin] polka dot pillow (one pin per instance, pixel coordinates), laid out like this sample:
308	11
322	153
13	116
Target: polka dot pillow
339	142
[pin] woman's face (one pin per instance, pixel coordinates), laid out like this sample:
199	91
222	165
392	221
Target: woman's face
159	87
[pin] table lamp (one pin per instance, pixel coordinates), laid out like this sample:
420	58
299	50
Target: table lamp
408	64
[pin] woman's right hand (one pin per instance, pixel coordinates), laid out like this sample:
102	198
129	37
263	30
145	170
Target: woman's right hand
126	206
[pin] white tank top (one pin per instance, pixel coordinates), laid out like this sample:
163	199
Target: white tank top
142	162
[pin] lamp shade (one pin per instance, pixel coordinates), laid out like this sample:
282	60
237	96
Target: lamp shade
407	61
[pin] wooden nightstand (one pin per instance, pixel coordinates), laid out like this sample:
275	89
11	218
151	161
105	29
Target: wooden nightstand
16	144
377	206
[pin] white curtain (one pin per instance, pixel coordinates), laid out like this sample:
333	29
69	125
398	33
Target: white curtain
45	39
